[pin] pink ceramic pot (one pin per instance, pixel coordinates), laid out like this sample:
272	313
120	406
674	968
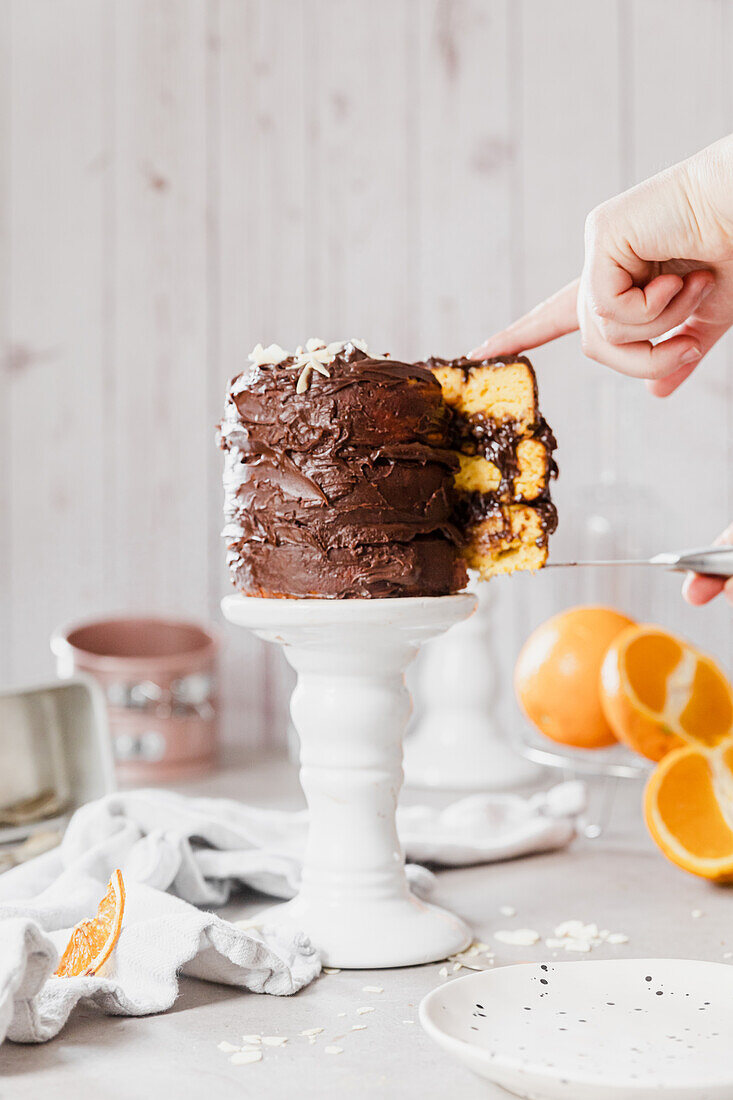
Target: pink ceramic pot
159	678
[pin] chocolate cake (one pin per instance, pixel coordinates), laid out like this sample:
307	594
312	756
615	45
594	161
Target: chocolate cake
349	475
339	477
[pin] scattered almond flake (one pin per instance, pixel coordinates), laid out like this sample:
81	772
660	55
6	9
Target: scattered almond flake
361	1011
569	928
227	1048
358	1027
270	356
251	1038
372	989
457	966
331	969
481	946
333	1050
314	344
617	937
245	1057
310	1031
443	972
553	943
518	937
696	914
274	1040
576	945
507	911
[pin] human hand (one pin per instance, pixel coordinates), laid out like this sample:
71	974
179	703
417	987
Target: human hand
698	590
658	262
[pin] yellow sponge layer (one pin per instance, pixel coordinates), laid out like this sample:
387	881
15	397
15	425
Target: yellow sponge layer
479	475
502	543
504	392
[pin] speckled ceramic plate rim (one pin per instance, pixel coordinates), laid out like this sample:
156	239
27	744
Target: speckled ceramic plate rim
467	1052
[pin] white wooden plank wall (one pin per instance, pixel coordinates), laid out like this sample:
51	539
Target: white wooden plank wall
182	178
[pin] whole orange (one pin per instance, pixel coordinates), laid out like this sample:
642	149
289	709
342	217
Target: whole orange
556	677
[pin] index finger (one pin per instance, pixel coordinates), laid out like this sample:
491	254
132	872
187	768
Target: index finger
556	316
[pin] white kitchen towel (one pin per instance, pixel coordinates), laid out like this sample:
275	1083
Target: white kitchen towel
161	937
177	853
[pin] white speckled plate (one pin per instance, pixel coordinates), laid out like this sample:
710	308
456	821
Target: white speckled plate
626	1029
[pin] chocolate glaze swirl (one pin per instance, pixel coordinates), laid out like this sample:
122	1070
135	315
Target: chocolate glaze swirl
345	490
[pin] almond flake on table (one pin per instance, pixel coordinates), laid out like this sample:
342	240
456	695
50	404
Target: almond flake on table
227	1048
274	1040
333	1050
331	969
251	1038
361	1011
696	914
358	1027
311	1031
617	938
372	989
507	911
577	945
518	937
443	972
245	1057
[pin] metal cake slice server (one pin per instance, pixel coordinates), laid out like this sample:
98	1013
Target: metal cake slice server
713	561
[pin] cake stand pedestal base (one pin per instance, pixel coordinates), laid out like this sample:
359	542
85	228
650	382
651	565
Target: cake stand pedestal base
350	707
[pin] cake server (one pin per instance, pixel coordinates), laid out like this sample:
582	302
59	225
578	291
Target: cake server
712	561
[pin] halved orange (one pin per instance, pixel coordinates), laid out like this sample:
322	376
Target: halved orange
659	693
689	809
91	942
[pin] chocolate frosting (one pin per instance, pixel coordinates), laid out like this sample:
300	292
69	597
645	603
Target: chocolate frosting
344	490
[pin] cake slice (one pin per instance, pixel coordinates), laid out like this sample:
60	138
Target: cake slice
504	449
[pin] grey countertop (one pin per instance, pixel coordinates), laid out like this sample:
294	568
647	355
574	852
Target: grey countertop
619	881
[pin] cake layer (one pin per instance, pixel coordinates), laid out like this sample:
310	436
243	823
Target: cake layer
509	537
313	500
339	477
423	566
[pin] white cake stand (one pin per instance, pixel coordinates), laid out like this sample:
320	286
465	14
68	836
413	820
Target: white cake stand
350	707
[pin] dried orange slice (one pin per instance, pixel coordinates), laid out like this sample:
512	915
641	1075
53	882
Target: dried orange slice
688	807
91	942
659	693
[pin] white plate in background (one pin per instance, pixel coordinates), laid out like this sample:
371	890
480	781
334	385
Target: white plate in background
626	1029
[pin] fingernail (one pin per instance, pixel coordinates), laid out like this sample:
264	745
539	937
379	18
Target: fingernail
706	289
476	352
690	356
